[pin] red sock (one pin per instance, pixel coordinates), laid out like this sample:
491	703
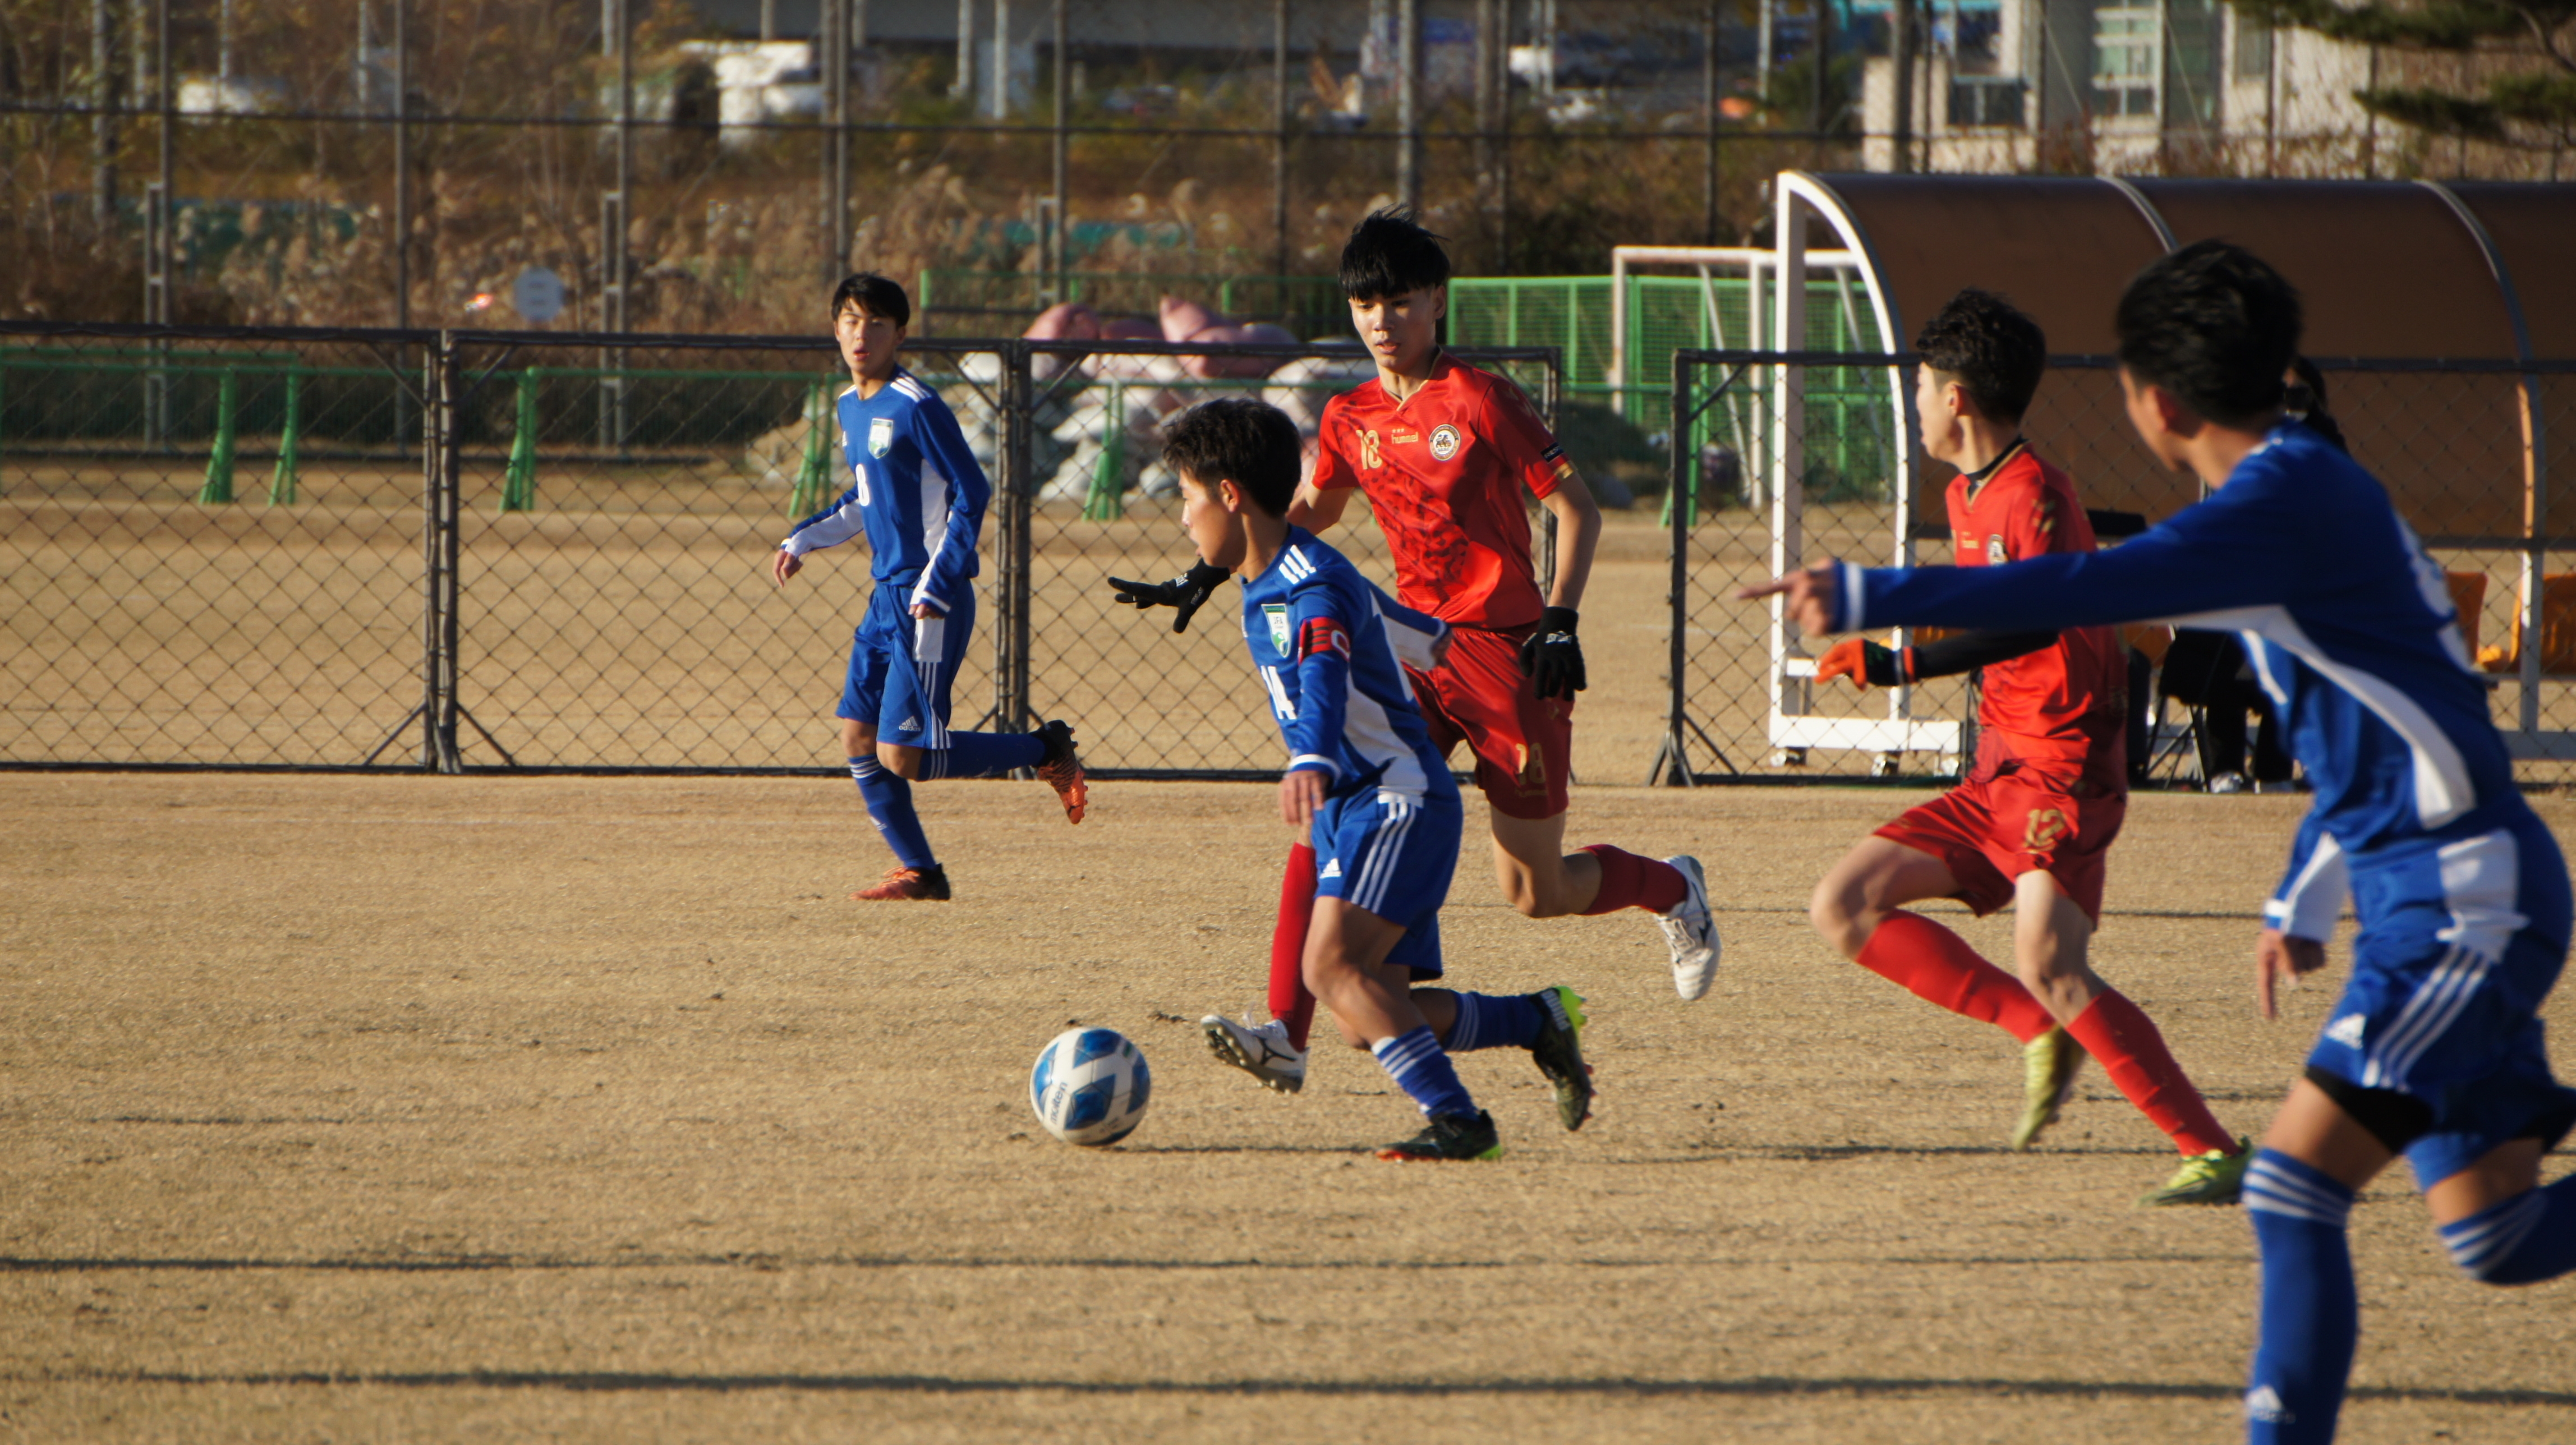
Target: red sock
1931	962
1289	1001
1628	881
2121	1036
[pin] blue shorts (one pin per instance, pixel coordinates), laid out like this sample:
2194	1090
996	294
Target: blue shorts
1394	856
2459	947
901	666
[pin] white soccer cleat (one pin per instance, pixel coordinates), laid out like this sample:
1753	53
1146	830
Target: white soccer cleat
1261	1050
1690	933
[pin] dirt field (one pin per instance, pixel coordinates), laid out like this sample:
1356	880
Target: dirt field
387	1108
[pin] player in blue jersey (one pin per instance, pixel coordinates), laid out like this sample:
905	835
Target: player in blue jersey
2435	1049
918	496
1365	784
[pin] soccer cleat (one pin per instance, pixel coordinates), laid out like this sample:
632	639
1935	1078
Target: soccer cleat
1449	1136
908	883
2227	783
1261	1050
1690	933
1061	769
1559	1053
2216	1177
2049	1065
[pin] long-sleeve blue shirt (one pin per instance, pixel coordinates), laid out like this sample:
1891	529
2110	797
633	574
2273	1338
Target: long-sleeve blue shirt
916	492
2350	627
1329	647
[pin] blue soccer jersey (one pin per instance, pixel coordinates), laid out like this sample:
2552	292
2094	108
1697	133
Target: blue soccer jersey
2349	625
2462	891
915	491
1328	658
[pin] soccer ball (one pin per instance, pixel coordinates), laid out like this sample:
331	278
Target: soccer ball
1090	1086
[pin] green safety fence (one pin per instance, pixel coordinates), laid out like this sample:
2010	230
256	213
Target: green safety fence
219	463
519	482
814	475
290	442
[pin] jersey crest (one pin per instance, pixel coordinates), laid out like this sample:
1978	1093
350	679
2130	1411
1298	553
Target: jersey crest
1276	614
1444	442
1997	554
880	436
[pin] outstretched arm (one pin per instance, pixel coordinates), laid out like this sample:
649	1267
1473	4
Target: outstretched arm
2202	563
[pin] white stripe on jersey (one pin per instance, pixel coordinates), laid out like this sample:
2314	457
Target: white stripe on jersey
1279	703
1378	869
2442	787
2434	1008
1373	737
912	388
1294	566
2314	899
2481	881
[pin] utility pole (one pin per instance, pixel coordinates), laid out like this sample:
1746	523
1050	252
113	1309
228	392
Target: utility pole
156	231
1408	104
1278	134
1822	45
615	267
1708	35
1762	45
1900	50
402	160
965	84
832	62
1061	142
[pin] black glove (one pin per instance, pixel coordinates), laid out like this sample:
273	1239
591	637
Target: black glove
1188	594
1552	656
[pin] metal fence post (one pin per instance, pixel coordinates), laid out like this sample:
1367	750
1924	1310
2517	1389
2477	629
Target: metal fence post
1011	702
446	472
1672	760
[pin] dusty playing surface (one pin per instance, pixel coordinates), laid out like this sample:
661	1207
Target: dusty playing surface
423	1107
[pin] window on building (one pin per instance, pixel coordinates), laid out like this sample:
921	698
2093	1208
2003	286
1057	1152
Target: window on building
2126	55
2253	47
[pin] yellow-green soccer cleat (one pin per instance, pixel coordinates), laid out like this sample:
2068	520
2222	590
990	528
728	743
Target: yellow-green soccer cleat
1558	1052
2049	1065
2216	1177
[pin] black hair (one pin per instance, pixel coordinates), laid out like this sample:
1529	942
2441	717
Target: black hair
2214	325
1241	440
1390	254
2305	399
875	295
1995	353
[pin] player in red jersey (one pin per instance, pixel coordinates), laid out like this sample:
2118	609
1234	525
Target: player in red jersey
1444	452
2031	822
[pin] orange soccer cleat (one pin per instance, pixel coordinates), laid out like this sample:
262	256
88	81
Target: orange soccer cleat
905	884
1061	769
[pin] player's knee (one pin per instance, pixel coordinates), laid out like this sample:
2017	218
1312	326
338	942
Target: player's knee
900	761
1839	916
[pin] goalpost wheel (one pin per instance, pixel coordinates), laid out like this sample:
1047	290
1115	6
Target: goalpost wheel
519	482
219	464
281	483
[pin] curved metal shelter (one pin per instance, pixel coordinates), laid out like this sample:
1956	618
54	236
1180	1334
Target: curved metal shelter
2436	309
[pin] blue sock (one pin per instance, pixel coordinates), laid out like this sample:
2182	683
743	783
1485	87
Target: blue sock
983	755
2526	1239
889	800
1416	1063
1487	1022
2310	1320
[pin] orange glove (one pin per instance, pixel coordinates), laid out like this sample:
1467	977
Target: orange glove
1862	661
1846	658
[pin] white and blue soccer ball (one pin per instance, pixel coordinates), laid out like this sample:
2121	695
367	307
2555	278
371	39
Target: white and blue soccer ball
1090	1086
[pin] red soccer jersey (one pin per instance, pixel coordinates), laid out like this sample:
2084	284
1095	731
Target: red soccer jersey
1443	470
2066	703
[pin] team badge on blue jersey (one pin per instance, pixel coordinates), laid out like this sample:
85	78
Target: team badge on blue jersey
880	436
1276	613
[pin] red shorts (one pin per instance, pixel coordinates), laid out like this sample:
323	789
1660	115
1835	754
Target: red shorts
1523	743
1991	830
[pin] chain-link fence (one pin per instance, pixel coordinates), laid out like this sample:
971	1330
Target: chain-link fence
2466	448
469	550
